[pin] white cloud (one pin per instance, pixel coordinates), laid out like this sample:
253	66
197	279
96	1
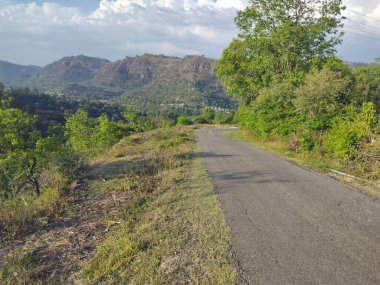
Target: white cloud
362	35
39	34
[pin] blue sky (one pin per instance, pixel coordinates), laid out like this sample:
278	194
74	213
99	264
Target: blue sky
39	32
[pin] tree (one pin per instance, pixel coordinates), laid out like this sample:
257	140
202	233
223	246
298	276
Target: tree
79	130
322	97
208	115
18	161
279	40
107	133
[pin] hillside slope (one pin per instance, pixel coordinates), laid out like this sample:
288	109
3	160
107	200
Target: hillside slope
68	70
11	73
145	82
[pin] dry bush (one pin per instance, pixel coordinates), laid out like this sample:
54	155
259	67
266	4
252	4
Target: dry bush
294	143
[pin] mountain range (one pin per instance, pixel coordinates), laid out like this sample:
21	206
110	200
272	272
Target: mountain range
146	81
13	73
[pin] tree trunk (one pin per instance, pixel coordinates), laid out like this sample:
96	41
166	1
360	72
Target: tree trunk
32	178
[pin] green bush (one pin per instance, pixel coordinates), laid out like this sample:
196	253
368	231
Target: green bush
348	134
271	112
183	121
322	97
345	136
307	141
208	115
200	120
219	117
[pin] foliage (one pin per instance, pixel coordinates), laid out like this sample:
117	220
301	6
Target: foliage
208	115
273	111
107	133
292	87
137	122
80	130
52	110
347	134
321	97
17	130
224	118
18	138
31	144
200	120
279	40
88	136
367	87
183	121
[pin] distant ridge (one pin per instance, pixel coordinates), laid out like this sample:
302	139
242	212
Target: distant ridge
358	64
146	81
11	73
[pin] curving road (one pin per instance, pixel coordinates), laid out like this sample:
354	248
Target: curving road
291	225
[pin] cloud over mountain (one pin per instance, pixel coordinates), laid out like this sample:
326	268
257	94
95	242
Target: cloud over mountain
40	32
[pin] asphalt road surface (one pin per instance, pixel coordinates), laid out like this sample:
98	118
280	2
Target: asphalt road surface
291	225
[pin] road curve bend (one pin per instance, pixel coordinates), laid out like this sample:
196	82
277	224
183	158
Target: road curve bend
291	225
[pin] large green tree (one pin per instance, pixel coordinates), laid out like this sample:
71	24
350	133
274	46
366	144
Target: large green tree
18	161
279	40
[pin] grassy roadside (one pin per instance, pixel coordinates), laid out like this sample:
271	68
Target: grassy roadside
147	215
314	161
173	233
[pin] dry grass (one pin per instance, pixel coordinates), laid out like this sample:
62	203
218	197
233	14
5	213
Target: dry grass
26	213
173	231
147	216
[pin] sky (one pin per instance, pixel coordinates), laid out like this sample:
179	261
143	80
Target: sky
40	32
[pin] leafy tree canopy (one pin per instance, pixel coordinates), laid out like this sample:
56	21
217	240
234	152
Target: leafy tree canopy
279	40
367	88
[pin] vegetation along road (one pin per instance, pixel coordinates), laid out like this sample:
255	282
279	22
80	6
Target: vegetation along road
291	225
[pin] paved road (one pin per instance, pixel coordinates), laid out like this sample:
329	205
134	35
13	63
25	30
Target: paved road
291	225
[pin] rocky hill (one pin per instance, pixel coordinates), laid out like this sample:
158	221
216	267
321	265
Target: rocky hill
68	70
145	81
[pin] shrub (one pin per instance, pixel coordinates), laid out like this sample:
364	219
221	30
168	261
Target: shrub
183	121
271	112
347	134
200	120
344	138
294	143
322	97
219	117
208	115
307	141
